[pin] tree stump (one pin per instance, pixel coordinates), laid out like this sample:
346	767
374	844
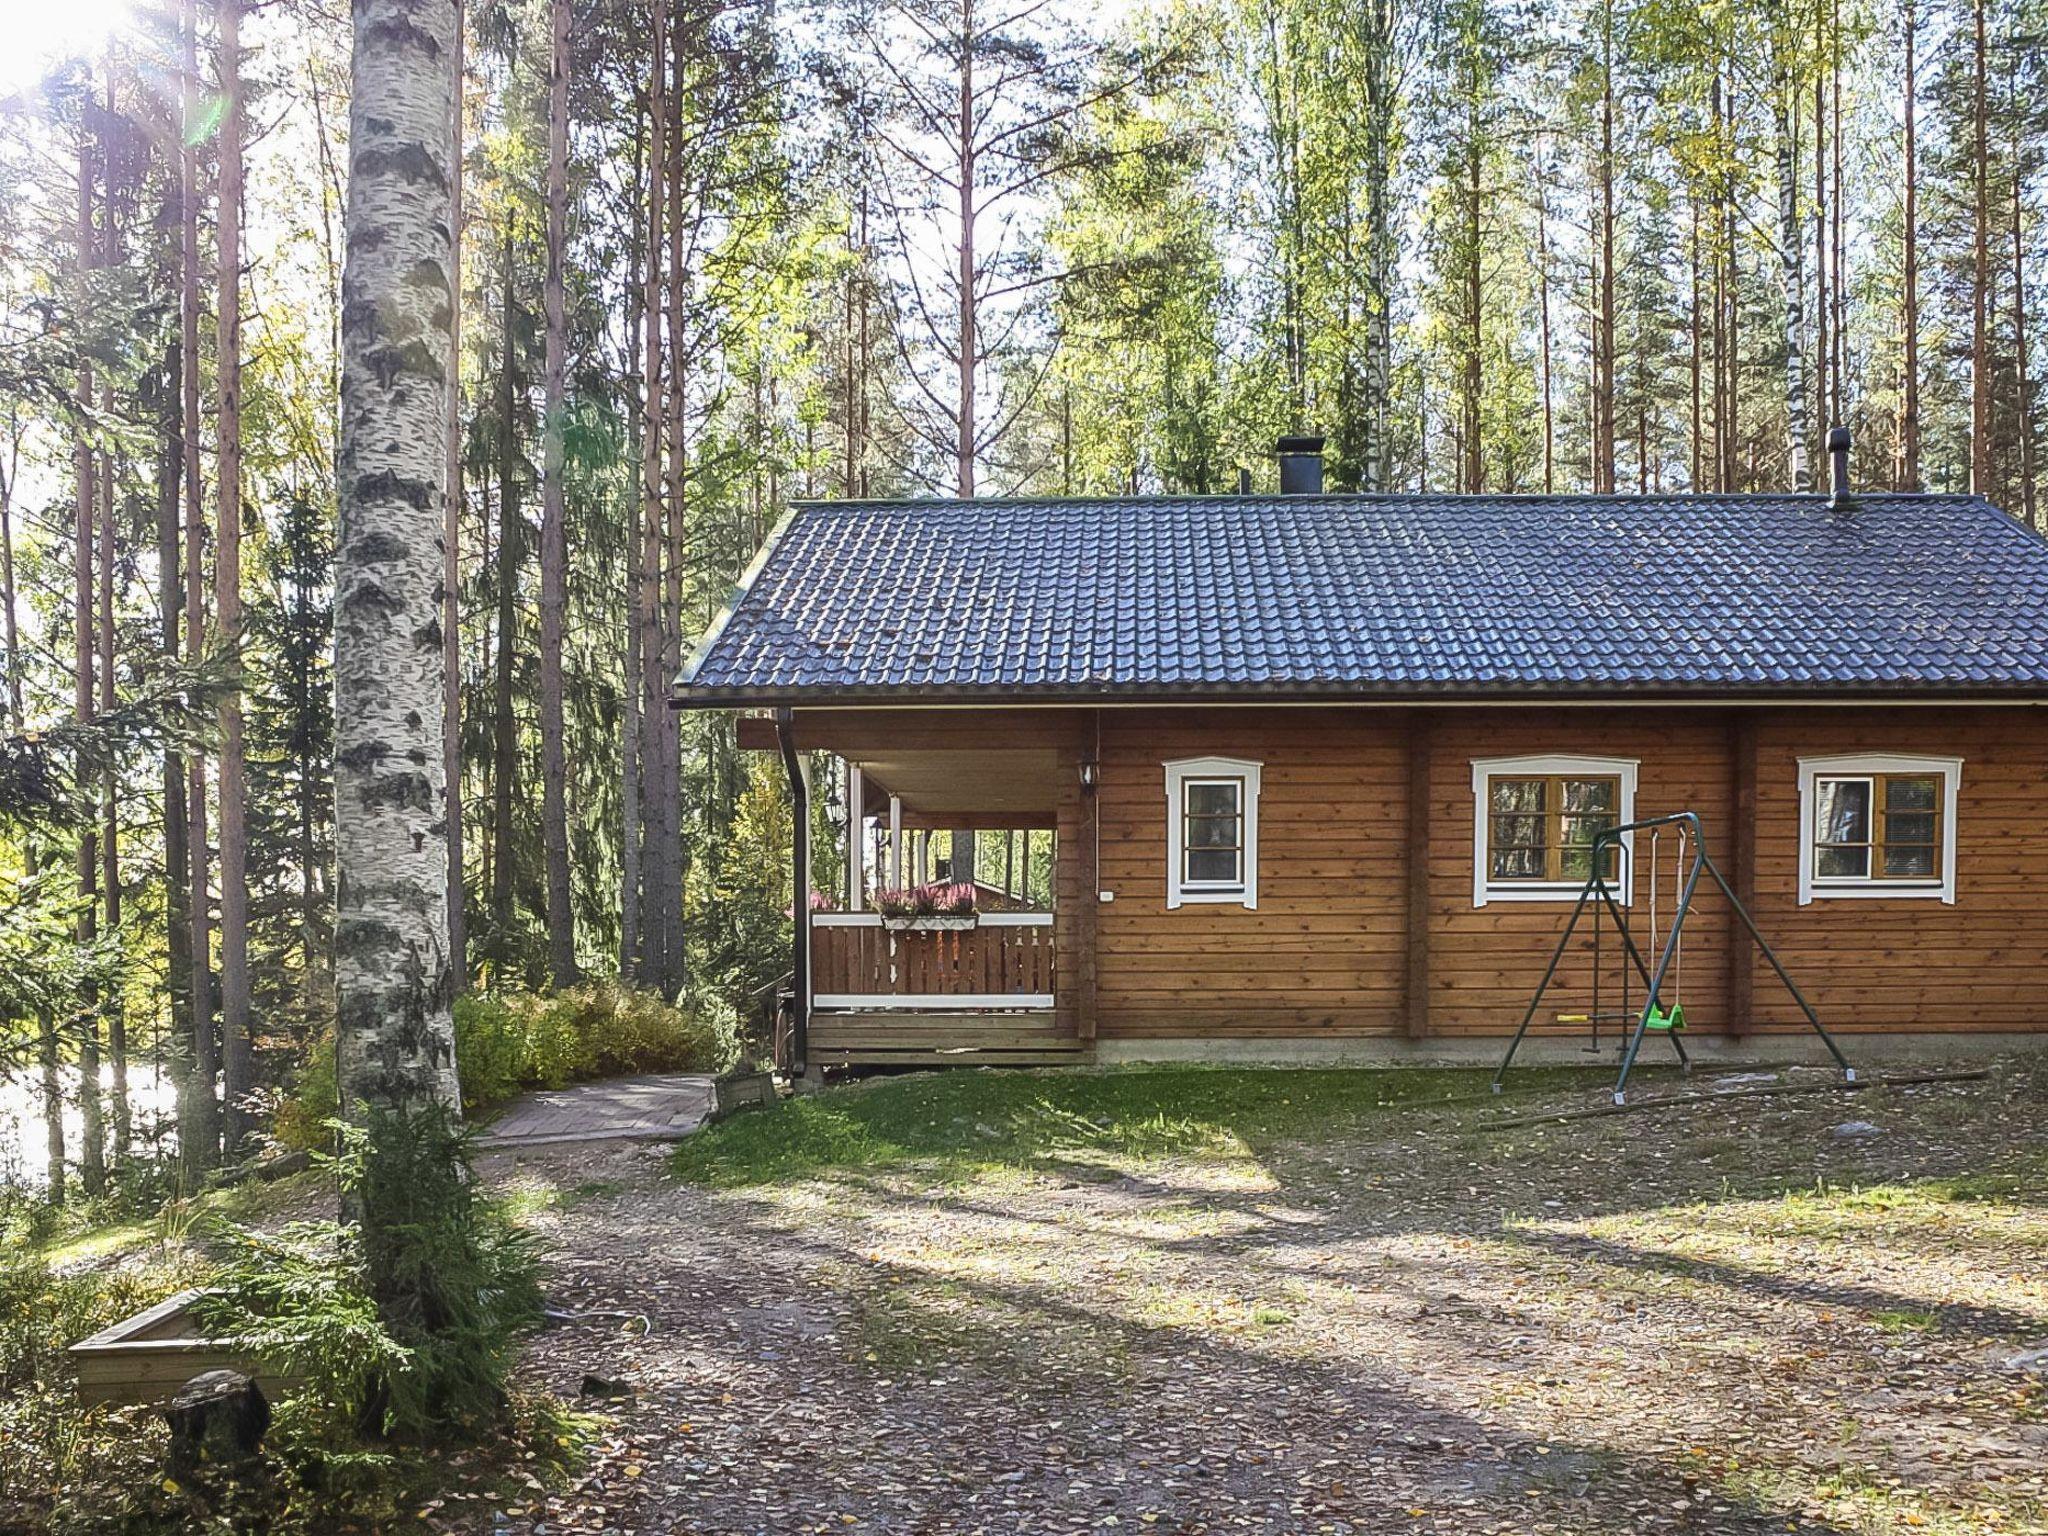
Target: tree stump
217	1416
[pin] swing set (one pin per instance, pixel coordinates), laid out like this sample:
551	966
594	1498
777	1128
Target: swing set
1689	862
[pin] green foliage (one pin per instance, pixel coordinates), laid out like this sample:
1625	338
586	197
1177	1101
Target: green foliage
49	1447
299	1301
509	1041
455	1282
304	1119
402	1324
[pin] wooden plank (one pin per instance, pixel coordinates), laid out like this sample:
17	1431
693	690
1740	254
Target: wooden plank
1740	846
1421	755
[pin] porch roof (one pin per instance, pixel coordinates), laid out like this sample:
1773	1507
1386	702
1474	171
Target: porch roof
1339	596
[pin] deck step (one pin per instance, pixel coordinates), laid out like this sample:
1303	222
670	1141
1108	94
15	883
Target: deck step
944	1058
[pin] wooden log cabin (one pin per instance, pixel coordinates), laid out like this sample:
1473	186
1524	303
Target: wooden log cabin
1313	776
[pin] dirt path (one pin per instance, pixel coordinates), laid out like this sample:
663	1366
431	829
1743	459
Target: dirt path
1607	1327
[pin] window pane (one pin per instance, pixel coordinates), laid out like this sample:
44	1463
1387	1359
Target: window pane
1518	794
1909	863
1844	812
1212	799
1518	831
1213	864
1909	827
1589	794
1577	863
1841	863
1517	864
1579	830
1212	831
1915	794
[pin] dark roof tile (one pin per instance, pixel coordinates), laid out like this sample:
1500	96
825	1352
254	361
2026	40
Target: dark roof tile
1391	594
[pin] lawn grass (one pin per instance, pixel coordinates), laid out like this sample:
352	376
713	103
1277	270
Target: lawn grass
961	1122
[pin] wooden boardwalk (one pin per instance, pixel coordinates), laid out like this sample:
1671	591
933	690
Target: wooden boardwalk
655	1107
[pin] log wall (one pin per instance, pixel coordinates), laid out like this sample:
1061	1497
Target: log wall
1366	924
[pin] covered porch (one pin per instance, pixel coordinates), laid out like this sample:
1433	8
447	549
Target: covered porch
947	942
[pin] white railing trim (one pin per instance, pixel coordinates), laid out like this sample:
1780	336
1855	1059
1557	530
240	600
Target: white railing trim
986	920
938	1001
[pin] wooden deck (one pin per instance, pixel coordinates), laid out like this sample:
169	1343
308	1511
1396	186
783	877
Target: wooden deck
879	1038
977	996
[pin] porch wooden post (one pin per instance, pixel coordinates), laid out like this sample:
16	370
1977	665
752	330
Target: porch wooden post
1076	898
800	888
1415	988
895	842
1740	846
856	807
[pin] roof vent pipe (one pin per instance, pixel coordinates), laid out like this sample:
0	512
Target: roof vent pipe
1838	466
1301	466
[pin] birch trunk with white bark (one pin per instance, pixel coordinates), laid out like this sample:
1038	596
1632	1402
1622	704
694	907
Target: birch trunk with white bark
396	1038
1797	432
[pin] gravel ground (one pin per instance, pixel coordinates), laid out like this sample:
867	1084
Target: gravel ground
1403	1324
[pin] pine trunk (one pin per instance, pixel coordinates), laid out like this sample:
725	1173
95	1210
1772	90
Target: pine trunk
1603	325
199	1130
669	887
2029	511
451	541
57	1186
1980	247
396	1038
969	340
170	603
504	724
554	554
629	696
92	1164
237	1049
10	630
1909	317
651	959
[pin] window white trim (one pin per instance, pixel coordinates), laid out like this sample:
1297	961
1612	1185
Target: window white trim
1942	888
1194	770
1564	765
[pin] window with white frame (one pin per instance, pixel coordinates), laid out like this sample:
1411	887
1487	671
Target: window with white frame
1534	820
1212	839
1878	825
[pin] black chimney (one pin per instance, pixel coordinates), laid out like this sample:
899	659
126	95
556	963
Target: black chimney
1838	466
1301	466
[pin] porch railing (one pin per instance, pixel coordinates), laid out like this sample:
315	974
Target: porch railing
1004	961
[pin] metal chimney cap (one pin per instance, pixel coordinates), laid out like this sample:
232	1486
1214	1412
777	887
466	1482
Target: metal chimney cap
1301	465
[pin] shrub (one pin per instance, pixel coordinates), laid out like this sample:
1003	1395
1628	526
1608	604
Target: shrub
506	1042
303	1118
403	1325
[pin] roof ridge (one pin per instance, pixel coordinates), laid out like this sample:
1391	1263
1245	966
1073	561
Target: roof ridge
1388	498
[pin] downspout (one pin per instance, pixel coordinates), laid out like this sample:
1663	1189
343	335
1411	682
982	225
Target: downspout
800	888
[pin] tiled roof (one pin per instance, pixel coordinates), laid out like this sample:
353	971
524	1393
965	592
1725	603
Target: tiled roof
1374	595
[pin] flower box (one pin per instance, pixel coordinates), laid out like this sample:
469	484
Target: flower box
743	1090
147	1357
931	924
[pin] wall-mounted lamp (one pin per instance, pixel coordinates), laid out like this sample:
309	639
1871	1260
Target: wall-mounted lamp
1087	775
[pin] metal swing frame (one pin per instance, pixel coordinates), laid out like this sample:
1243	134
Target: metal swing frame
1597	889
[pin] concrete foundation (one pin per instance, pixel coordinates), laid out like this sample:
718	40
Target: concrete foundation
1709	1051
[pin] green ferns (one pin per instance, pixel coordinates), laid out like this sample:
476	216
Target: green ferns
507	1042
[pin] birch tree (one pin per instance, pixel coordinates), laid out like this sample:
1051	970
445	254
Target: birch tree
395	1034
